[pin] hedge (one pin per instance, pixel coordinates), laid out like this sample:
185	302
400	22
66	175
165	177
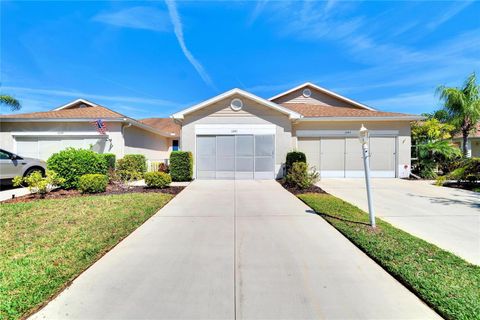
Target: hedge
292	157
133	163
181	166
92	183
110	158
157	179
70	164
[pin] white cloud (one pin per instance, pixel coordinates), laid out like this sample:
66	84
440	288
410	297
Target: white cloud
257	11
454	9
148	18
77	94
415	102
178	28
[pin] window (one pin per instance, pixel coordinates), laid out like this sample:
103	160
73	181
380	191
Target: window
4	155
175	145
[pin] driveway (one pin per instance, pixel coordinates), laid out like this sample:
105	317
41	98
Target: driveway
447	217
235	249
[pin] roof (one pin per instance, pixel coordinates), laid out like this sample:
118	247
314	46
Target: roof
73	113
80	110
163	124
326	91
324	111
292	114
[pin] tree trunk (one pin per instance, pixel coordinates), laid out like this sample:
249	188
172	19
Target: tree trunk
465	141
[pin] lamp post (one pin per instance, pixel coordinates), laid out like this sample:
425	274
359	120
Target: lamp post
363	137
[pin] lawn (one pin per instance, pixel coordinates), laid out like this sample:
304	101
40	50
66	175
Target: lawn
45	244
446	282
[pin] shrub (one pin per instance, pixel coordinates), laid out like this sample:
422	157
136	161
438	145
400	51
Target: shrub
125	175
39	184
468	170
163	167
181	166
440	181
157	179
133	163
300	176
93	183
110	159
294	156
70	164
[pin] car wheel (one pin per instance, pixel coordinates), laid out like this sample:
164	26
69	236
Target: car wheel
32	170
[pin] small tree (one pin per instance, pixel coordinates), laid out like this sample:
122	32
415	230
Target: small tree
463	107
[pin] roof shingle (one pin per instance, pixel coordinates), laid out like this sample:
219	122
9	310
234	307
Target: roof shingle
73	113
163	124
316	110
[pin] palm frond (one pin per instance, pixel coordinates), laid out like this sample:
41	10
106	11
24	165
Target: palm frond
10	101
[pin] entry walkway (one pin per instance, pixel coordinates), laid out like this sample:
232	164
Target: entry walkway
236	250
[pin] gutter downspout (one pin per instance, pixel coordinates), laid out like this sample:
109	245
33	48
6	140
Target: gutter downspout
127	124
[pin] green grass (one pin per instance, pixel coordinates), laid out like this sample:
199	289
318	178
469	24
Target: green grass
446	282
45	244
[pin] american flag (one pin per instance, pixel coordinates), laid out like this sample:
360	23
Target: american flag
100	126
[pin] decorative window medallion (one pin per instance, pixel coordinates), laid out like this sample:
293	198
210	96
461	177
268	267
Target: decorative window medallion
307	93
236	104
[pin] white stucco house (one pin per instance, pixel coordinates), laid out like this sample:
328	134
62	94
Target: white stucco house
235	135
473	142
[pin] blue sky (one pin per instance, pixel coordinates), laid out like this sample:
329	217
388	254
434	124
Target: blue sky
150	59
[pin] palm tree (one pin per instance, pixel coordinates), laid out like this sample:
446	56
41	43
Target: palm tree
10	101
463	106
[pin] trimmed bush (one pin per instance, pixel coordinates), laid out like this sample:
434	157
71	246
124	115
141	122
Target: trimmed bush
133	163
292	157
70	164
300	177
468	170
38	184
157	179
110	158
181	166
93	183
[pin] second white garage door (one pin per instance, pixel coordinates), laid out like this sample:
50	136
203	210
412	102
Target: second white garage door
342	157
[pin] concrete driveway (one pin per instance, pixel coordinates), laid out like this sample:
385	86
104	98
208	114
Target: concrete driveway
228	250
447	217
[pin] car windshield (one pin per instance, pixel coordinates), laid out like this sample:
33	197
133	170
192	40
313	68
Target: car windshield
4	155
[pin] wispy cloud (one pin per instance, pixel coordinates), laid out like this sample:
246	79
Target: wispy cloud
451	12
78	94
260	5
415	102
148	18
178	28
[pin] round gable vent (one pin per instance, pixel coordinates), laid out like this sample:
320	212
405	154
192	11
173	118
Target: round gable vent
236	104
307	93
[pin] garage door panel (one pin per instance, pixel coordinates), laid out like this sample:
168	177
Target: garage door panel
382	156
206	157
332	157
225	157
264	156
353	158
244	147
311	148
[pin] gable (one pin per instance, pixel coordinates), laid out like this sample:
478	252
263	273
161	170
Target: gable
319	96
223	101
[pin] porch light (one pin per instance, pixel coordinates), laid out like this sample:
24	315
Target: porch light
363	138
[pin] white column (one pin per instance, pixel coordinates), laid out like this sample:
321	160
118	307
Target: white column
469	148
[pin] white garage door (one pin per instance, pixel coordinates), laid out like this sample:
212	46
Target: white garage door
342	157
235	157
43	147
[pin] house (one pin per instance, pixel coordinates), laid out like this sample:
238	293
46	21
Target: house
235	135
40	134
473	142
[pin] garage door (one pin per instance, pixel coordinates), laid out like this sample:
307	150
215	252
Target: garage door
342	157
43	147
235	157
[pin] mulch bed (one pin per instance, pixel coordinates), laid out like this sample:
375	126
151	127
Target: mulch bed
295	190
463	186
111	189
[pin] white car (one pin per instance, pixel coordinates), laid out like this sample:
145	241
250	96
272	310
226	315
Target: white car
12	165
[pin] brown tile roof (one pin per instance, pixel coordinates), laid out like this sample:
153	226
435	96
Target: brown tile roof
163	124
315	110
72	113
